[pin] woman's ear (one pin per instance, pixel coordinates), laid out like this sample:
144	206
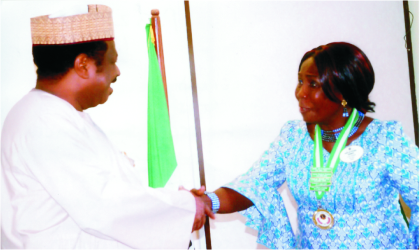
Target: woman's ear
339	96
81	65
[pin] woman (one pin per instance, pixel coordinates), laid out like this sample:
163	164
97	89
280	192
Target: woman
346	186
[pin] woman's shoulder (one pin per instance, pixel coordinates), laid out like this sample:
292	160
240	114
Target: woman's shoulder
389	132
293	130
385	126
294	126
384	122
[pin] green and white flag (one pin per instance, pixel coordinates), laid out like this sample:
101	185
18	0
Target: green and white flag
161	152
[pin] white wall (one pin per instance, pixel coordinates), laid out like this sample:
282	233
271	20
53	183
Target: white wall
247	56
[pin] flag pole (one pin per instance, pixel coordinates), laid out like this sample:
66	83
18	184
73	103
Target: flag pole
161	153
196	114
157	30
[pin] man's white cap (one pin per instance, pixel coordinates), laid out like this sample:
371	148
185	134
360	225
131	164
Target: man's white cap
95	24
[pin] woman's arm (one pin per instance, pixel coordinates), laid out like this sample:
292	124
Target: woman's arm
403	171
268	173
230	201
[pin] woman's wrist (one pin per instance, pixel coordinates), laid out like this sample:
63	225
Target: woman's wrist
215	202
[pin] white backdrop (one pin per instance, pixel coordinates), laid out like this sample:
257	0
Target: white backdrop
246	55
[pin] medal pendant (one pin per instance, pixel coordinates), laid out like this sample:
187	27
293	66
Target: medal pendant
323	219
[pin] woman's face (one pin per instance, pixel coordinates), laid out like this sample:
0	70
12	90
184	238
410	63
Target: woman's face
314	105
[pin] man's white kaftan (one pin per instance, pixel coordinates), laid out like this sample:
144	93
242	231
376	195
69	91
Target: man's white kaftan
64	185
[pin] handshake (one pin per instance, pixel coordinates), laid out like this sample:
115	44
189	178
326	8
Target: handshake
203	206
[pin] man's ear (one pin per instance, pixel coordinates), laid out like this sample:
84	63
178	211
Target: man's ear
81	65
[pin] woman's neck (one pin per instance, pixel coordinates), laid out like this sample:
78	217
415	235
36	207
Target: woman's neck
335	123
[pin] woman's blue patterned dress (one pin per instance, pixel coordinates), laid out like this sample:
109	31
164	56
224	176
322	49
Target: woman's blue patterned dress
363	197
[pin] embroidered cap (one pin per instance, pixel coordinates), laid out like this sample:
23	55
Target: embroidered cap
94	25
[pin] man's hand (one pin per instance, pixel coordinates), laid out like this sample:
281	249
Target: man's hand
203	207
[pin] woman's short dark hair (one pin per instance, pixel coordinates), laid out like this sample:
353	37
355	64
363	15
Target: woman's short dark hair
54	61
344	68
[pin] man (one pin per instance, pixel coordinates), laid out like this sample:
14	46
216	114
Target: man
65	185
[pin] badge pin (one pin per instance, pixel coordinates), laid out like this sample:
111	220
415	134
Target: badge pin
351	154
323	219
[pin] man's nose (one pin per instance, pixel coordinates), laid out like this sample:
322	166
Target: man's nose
118	71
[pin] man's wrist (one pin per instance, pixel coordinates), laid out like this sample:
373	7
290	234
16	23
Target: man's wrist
215	202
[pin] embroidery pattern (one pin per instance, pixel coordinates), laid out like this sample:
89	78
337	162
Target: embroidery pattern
95	25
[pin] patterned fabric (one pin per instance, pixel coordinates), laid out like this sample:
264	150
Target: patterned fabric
96	25
363	197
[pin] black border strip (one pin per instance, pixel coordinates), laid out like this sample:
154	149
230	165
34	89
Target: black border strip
411	71
196	114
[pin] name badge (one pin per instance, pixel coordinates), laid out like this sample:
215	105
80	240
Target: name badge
351	154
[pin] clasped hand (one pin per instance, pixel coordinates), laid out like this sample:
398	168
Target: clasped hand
203	207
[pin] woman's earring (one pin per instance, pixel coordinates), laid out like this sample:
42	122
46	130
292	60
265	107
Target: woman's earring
345	113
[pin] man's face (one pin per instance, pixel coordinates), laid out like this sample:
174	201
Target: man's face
99	88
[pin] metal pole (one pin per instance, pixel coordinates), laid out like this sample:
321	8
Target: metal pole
196	114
